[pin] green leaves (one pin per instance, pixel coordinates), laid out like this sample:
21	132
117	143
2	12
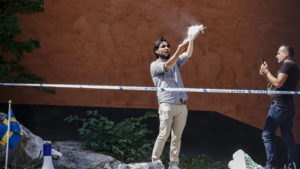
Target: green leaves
85	124
10	26
69	118
21	7
108	127
125	140
94	112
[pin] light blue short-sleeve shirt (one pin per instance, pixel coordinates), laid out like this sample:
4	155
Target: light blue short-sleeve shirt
171	78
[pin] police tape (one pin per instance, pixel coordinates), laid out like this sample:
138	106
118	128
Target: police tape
204	90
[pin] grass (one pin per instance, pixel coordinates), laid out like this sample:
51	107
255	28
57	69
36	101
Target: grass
190	162
202	161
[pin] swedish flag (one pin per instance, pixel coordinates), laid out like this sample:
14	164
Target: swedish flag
15	133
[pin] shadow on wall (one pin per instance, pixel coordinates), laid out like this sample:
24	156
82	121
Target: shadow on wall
208	133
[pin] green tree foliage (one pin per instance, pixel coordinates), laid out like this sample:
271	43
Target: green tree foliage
10	26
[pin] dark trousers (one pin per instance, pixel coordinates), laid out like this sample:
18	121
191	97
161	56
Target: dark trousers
281	114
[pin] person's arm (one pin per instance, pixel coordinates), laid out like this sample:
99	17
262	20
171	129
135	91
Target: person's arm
172	61
277	82
156	68
264	75
190	49
267	79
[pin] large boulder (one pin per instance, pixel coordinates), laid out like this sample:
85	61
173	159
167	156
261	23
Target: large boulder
73	156
27	152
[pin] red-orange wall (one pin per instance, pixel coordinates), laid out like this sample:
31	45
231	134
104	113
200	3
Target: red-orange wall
104	42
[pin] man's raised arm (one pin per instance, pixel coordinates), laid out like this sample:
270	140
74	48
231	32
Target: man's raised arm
172	61
277	82
190	49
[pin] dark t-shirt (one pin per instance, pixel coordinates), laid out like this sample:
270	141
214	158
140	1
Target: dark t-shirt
290	84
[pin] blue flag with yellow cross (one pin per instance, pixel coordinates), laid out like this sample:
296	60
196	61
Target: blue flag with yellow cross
15	133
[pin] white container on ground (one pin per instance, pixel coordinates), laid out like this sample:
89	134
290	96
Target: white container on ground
47	164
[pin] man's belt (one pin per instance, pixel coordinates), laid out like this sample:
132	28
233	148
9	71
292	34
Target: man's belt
183	103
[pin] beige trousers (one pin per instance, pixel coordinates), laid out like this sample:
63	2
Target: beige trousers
171	116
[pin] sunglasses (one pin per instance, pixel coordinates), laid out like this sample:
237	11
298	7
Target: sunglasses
163	46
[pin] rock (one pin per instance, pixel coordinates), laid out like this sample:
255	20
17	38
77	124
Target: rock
155	165
73	156
27	151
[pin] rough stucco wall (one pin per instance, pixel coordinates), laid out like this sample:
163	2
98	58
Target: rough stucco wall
110	43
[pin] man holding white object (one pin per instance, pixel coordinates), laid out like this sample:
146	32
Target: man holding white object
172	104
282	111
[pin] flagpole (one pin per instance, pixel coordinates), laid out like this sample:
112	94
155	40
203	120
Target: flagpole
8	131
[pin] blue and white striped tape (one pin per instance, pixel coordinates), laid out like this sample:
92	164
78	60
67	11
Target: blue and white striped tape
152	88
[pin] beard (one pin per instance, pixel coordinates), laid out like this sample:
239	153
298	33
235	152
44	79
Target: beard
164	56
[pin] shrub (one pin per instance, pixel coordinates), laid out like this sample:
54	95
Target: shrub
124	141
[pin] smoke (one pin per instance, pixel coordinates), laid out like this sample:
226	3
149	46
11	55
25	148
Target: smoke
181	21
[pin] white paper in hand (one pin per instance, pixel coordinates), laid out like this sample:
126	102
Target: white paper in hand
193	32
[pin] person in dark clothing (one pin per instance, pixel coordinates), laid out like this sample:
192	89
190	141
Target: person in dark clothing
282	111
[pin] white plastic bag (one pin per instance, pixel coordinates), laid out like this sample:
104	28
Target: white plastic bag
241	160
193	31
